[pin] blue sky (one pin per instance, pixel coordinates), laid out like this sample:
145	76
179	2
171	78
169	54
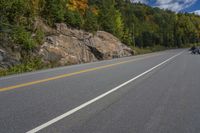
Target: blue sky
174	5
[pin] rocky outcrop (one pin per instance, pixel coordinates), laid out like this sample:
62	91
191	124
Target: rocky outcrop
72	46
63	45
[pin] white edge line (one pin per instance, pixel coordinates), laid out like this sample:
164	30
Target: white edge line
97	98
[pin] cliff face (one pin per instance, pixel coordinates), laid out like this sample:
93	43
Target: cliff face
71	46
64	45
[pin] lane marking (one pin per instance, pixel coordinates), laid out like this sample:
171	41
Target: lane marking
97	98
69	74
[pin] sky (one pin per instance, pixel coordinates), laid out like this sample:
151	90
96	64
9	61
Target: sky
174	5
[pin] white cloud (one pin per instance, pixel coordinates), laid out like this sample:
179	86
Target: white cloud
197	12
174	5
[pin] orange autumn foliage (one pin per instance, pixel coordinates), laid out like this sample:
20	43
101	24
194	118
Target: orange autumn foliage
78	5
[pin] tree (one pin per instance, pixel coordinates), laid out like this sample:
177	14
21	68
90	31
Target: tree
15	12
74	19
78	5
110	19
54	10
91	21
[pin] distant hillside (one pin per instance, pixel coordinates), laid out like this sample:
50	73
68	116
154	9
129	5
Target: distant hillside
136	25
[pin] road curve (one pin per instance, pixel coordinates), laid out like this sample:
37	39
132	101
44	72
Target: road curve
150	93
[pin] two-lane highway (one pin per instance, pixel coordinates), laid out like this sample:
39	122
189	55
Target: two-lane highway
153	93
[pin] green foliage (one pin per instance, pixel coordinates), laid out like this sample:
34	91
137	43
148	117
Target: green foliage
150	27
91	22
22	37
110	18
74	19
144	28
118	24
32	64
127	37
15	12
39	36
54	11
148	49
135	24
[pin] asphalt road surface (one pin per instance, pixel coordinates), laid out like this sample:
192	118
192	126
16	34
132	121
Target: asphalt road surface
152	93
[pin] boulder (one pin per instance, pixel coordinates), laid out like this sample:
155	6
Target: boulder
72	46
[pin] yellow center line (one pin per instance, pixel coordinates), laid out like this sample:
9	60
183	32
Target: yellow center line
68	74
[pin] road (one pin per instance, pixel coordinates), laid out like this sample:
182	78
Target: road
152	93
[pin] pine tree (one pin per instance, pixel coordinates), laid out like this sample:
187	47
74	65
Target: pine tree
110	19
54	10
91	22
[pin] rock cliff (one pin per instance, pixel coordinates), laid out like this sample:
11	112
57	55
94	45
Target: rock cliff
72	46
63	45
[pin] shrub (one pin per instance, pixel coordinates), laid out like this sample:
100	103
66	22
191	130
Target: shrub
27	66
54	11
91	23
74	19
39	36
22	37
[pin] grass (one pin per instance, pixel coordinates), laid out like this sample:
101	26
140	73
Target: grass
26	66
139	51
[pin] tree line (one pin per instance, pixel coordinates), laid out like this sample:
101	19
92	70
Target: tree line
134	24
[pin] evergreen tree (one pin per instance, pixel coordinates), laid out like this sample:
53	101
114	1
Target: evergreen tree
110	18
54	10
91	22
